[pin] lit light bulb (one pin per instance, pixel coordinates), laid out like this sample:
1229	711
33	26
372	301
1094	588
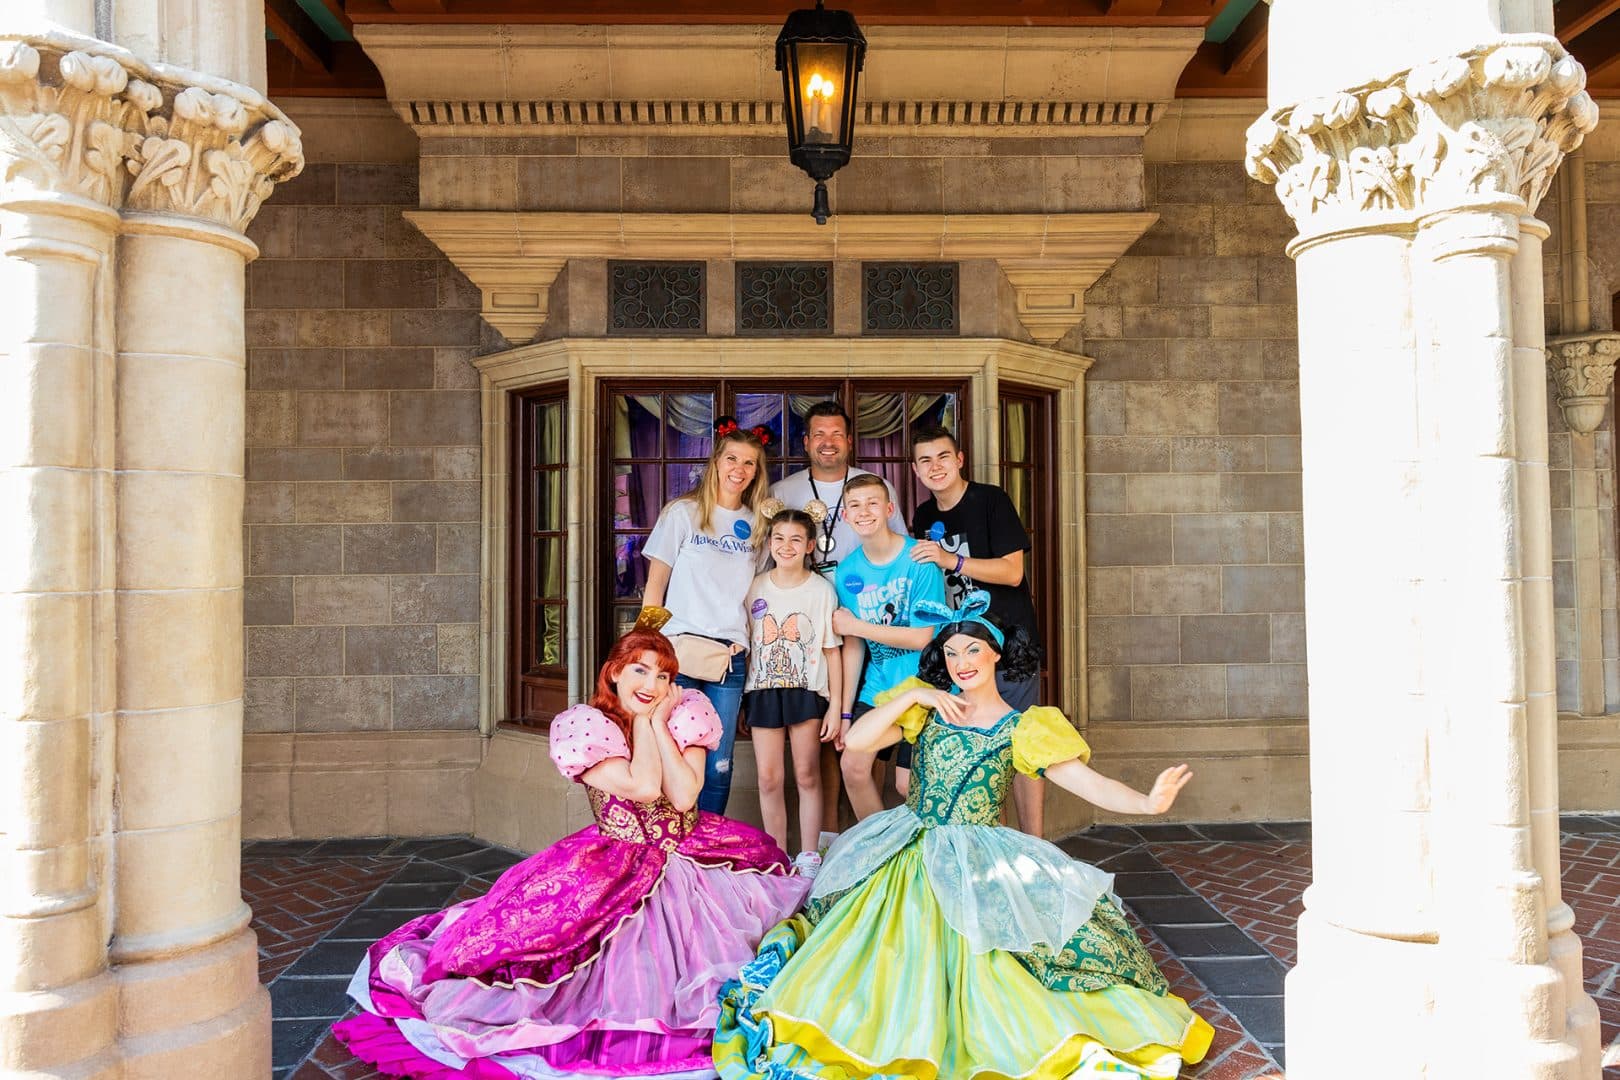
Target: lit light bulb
820	91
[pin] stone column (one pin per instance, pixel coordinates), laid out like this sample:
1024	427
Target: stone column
61	122
181	924
1427	540
122	458
186	963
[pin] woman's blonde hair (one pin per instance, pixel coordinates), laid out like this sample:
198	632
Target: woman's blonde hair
707	492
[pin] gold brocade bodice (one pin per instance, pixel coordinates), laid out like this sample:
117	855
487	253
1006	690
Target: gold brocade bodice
657	823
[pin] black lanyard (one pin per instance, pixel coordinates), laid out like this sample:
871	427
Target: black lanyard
832	512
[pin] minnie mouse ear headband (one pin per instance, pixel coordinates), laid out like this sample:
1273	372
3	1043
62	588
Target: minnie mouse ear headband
815	509
975	606
726	426
652	618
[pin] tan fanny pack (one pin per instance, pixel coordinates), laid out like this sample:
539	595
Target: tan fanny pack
702	658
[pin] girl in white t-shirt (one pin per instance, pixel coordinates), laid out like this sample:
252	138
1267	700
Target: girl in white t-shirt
794	678
701	557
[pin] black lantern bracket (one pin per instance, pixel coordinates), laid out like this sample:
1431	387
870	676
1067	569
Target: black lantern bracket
820	54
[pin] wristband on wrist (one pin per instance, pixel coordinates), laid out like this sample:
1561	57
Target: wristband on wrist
960	559
846	716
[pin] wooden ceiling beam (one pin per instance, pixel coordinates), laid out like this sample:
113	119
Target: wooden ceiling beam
1572	18
352	74
1605	86
338	12
1248	42
419	7
1134	7
297	31
1598	49
1205	76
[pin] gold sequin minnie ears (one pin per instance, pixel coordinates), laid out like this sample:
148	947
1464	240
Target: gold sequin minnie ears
653	618
815	509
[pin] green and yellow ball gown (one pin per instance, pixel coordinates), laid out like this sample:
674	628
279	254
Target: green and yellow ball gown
940	944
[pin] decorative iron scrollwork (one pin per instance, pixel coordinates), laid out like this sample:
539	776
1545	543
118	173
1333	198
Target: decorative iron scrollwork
656	298
909	298
784	298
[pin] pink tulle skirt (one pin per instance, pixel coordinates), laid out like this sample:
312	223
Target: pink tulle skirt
594	957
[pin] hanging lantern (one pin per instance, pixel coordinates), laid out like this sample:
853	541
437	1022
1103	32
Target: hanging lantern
819	54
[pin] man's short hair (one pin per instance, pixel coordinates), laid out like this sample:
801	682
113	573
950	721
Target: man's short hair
932	433
829	408
866	480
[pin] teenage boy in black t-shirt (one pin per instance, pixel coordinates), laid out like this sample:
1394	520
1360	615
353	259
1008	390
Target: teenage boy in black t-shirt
972	532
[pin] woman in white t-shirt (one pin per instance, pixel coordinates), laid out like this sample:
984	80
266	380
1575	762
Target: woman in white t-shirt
701	558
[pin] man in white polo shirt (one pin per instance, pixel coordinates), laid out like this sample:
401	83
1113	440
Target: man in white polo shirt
829	439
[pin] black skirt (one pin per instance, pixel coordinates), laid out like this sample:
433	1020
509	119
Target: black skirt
780	708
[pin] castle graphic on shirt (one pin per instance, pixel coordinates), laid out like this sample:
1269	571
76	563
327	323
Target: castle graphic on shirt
784	654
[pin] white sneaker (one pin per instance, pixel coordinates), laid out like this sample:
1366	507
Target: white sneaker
806	863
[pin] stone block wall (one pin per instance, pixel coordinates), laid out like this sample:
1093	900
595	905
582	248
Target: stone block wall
362	501
1602	176
1195	583
1603	226
901	174
1582	477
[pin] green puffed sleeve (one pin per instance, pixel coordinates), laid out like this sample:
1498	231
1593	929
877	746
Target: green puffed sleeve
912	720
1043	738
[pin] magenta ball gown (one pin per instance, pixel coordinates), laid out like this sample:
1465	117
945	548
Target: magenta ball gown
602	955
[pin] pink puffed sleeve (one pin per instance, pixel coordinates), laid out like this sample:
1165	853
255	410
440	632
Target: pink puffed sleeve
693	721
582	737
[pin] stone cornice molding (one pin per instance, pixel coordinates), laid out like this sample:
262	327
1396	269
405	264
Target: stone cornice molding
515	256
1582	367
81	118
994	119
1496	120
705	80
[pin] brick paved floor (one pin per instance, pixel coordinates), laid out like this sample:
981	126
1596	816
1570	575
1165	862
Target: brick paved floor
318	904
1215	904
1257	886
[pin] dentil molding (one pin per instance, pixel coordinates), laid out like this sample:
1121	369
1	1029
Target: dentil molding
1495	120
97	123
988	118
1582	367
707	81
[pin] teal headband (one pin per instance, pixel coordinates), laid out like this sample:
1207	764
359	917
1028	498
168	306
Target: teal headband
975	606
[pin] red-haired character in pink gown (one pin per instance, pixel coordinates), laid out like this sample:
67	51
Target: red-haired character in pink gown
602	955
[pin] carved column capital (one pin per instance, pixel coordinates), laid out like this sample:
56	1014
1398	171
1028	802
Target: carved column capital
1493	121
66	120
97	123
1582	367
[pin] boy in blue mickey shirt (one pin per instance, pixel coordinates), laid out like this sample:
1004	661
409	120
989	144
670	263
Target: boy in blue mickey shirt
879	587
